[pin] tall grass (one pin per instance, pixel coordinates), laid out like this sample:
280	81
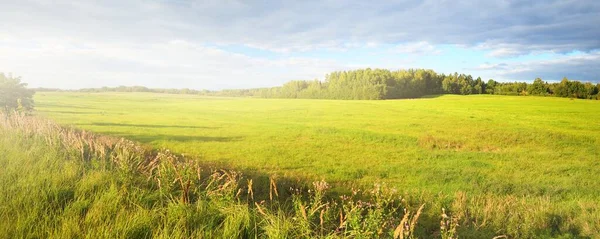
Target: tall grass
59	182
65	183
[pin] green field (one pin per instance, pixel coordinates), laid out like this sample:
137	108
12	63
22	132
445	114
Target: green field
522	167
477	144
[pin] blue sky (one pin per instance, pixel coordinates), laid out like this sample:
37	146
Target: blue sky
217	44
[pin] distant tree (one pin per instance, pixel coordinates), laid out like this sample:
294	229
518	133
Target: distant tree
538	87
479	87
562	89
451	85
292	89
491	84
14	94
448	84
590	91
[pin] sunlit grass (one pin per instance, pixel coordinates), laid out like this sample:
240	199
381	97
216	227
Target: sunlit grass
479	144
506	165
64	183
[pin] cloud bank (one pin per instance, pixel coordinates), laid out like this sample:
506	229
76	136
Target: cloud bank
181	43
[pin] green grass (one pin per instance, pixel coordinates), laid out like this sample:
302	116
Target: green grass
525	153
62	183
478	144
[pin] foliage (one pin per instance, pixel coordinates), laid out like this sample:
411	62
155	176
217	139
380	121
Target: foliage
575	89
14	95
538	87
379	84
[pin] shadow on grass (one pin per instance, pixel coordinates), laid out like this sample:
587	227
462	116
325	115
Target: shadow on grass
69	112
177	138
430	96
149	125
181	138
52	105
428	224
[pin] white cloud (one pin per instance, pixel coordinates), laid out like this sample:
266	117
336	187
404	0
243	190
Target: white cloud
490	66
416	48
582	67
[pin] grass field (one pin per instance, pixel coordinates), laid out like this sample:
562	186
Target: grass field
542	150
497	144
58	182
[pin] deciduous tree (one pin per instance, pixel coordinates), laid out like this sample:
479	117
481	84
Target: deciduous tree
14	94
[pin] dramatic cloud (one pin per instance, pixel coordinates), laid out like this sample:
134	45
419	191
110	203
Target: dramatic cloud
88	43
554	25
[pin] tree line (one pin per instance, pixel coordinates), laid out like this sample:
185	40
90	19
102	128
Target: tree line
129	89
379	84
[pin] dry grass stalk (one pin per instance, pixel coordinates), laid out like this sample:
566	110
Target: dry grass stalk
303	211
399	232
250	191
321	219
260	209
415	218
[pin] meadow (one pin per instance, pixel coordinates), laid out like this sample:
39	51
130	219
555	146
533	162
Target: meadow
516	166
478	144
59	182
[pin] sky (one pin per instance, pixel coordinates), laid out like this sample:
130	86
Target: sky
223	44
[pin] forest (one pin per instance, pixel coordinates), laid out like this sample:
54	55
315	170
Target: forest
380	84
